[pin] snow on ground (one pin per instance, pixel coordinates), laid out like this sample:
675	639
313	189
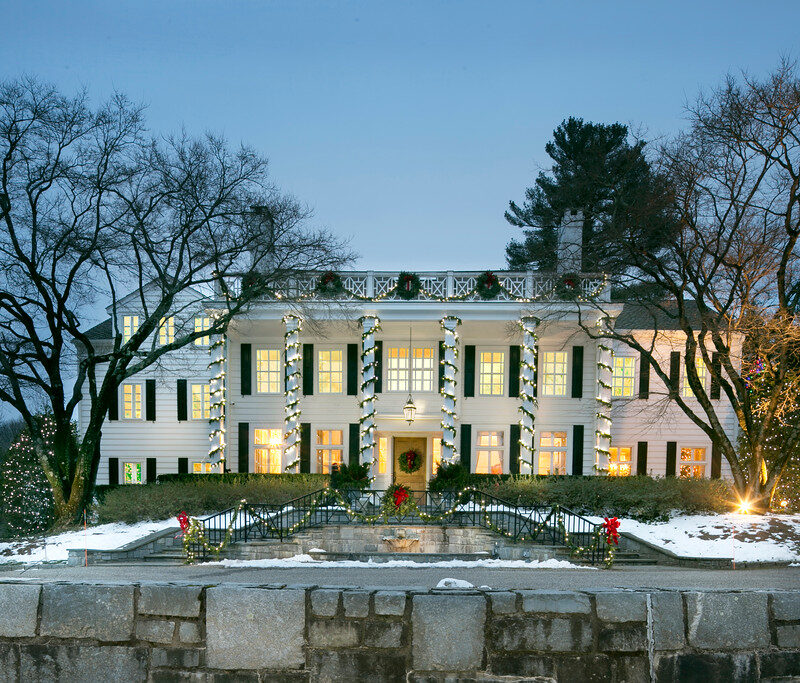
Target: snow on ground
308	561
454	583
101	537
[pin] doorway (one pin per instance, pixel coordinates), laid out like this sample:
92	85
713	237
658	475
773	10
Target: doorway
416	481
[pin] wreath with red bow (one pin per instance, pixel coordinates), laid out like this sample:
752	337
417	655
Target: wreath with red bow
488	285
408	285
397	501
568	286
610	527
410	461
330	283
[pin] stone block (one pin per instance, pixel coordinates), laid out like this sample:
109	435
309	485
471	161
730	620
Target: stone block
788	636
171	601
324	603
707	666
82	663
603	669
333	633
174	657
87	611
617	607
786	606
260	614
155	630
560	602
779	665
448	632
727	620
622	638
361	665
9	661
668	626
356	603
383	634
546	634
524	664
390	603
503	602
19	607
189	632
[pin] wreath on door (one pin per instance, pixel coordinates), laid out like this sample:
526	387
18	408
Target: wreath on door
410	461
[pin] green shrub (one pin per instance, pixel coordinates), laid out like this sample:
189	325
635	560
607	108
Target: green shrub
350	476
199	494
449	476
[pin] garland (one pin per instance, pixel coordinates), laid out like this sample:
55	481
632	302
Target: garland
398	502
603	400
366	422
568	286
291	390
488	285
408	285
528	403
410	461
330	283
218	399
448	390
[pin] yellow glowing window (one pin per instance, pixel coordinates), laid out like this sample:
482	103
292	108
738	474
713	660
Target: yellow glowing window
268	371
383	454
554	367
553	453
132	401
619	462
330	451
701	375
201	401
397	368
166	331
693	463
204	467
331	371
423	363
130	325
436	454
624	371
489	453
491	373
268	450
200	325
132	473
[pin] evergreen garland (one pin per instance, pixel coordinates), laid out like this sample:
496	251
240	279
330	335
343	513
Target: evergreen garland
410	461
488	285
408	285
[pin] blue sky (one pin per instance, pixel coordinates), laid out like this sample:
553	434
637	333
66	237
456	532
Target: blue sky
408	125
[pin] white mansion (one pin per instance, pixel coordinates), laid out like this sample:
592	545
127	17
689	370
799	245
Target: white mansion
490	367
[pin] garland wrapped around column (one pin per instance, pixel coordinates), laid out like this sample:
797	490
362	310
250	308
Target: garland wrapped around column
449	324
291	391
217	351
366	422
528	402
605	373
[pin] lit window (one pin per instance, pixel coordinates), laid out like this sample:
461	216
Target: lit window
201	324
397	368
422	368
204	467
619	462
166	331
330	451
383	454
624	370
132	473
555	373
553	453
491	366
701	375
130	325
693	463
436	454
489	453
331	371
201	401
132	401
268	450
268	371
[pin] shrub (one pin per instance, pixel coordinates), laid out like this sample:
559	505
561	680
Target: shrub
350	476
449	476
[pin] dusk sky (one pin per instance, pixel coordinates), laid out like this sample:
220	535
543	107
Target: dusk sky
407	126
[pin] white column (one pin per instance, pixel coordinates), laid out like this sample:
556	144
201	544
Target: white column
366	431
217	386
528	403
605	371
291	351
449	325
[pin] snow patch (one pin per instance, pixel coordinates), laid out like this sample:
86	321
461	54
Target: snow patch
306	561
454	583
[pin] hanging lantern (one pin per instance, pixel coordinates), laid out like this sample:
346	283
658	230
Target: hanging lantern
409	410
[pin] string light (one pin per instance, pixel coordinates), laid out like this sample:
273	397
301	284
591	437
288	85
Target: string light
605	370
449	325
291	392
369	374
218	398
527	376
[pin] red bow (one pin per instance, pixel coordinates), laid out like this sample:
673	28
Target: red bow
610	527
400	497
410	457
490	279
183	520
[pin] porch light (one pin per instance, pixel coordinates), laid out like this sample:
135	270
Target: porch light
409	410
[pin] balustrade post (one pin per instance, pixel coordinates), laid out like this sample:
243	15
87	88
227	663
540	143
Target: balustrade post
370	286
450	285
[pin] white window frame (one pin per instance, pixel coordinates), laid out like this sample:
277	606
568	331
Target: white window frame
615	461
204	406
618	380
278	372
702	375
384	455
403	377
271	445
502	449
166	330
328	447
694	463
132	461
411	378
201	324
436	453
420	375
130	326
132	418
318	369
552	449
205	467
549	388
504	369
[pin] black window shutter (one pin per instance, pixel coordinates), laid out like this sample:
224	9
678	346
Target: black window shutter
113	405
674	372
577	447
308	369
466	445
378	367
716	368
183	410
641	458
151	469
305	447
247	369
244	447
535	371
113	471
352	369
469	370
513	371
577	372
644	377
150	400
513	447
183	465
672	458
441	365
352	451
716	461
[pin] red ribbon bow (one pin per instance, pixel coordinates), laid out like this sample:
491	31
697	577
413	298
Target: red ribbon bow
400	497
183	520
410	457
610	527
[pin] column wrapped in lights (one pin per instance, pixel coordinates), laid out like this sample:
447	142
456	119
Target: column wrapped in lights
449	324
527	387
605	371
291	392
370	325
217	389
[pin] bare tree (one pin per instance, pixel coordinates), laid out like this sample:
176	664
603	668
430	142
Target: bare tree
94	208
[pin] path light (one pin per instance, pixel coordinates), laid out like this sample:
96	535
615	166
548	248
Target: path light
744	506
409	410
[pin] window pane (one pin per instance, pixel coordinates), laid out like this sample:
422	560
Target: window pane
132	473
200	324
397	368
624	370
201	401
422	369
383	454
132	401
268	371
555	373
130	325
331	371
491	373
436	454
701	375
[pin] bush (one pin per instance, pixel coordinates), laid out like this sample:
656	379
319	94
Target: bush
350	476
199	494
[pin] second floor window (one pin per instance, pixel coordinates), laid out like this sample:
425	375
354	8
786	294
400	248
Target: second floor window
397	368
701	375
268	371
132	401
330	449
330	371
201	401
491	373
200	325
130	325
489	453
166	331
622	383
423	361
554	366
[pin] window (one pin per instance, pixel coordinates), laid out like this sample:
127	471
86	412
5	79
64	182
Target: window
491	366
622	382
268	371
489	453
132	473
423	361
200	324
201	401
268	451
619	462
693	463
555	373
204	467
383	454
553	452
331	371
166	331
436	454
397	369
701	375
130	325
330	449
421	366
132	401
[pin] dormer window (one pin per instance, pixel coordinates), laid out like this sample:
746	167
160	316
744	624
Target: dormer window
130	325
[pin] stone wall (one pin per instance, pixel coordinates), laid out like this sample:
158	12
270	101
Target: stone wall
234	632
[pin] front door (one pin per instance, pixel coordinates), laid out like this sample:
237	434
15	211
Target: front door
402	444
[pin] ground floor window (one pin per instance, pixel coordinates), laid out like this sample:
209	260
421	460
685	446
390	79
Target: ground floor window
619	461
436	454
268	450
383	454
489	453
553	453
132	473
330	449
693	463
204	467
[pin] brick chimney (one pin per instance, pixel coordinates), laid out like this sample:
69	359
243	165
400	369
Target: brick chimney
570	242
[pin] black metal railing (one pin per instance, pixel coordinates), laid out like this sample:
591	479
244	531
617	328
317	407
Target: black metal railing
539	524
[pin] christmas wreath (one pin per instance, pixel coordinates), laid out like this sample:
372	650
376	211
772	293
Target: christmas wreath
330	283
488	285
397	501
410	461
251	280
408	285
568	286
